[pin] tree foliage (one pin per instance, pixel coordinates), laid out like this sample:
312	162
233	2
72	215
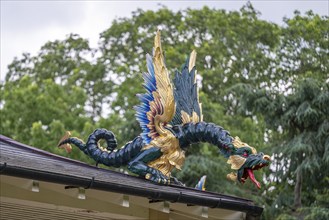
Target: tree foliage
296	113
266	83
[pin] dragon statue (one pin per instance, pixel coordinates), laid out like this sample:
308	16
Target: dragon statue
170	117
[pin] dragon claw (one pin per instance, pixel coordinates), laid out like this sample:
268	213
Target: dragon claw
148	176
157	177
175	181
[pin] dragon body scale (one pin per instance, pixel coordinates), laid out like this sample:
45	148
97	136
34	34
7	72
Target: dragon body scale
170	116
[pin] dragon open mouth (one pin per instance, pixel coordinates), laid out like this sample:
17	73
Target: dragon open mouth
249	172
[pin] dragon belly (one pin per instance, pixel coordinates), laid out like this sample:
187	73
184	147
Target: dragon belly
172	155
167	162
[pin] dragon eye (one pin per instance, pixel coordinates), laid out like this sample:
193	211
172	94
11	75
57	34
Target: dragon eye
245	154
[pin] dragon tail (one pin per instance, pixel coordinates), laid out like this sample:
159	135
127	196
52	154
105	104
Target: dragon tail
66	142
92	141
106	156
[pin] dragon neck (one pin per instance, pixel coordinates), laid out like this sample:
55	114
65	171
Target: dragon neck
190	133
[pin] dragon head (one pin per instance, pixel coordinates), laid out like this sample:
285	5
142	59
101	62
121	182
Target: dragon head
245	160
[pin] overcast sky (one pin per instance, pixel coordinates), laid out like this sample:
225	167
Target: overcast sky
27	25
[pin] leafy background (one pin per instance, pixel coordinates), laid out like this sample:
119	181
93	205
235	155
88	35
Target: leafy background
266	83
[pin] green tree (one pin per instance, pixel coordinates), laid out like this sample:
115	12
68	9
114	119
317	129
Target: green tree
68	63
296	112
262	82
45	95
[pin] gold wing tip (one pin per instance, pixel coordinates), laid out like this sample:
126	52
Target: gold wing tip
157	40
192	60
193	55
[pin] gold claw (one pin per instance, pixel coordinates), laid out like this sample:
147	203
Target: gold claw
148	176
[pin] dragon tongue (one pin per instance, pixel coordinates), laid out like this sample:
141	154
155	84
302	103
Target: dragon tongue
252	177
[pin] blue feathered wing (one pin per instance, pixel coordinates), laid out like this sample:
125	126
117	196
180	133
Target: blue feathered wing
157	106
188	107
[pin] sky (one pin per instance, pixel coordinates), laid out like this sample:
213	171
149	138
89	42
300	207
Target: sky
27	25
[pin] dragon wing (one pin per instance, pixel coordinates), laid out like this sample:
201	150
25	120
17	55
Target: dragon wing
188	107
157	106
